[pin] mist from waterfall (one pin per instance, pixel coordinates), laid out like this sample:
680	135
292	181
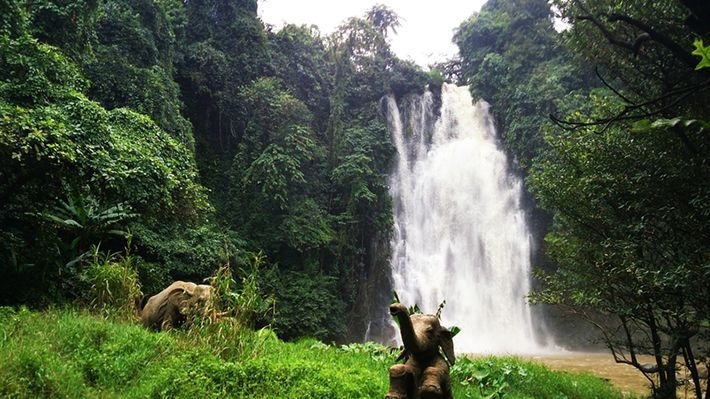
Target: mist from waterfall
460	231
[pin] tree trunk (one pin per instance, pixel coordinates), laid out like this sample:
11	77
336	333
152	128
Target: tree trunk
666	372
690	364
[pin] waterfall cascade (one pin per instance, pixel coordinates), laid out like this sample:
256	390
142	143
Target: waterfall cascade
460	232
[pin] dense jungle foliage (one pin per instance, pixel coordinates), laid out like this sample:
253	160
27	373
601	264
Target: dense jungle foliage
609	119
186	136
192	135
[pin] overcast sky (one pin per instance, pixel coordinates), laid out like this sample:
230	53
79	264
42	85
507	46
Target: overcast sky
426	26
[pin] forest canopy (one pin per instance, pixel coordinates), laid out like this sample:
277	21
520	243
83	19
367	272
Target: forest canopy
609	121
192	135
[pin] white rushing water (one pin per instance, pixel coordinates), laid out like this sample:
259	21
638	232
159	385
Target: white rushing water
460	233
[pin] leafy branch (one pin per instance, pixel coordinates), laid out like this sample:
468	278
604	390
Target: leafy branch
703	52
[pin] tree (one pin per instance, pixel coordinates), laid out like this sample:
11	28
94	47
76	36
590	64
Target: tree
308	305
383	19
359	152
98	104
511	57
57	146
225	49
299	58
131	64
64	24
643	54
270	172
625	182
629	239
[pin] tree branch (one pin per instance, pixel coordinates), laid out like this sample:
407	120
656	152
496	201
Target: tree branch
635	111
682	54
650	33
610	87
607	34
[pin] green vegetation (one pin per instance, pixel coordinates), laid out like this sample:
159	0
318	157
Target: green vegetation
621	165
511	377
203	136
64	353
512	57
145	141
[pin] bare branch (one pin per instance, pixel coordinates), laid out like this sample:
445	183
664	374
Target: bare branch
610	87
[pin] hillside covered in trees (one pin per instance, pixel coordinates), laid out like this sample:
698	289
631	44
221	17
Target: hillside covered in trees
192	135
609	121
188	135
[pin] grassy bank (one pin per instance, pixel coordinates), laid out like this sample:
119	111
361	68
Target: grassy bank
73	354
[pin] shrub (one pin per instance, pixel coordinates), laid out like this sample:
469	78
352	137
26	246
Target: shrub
226	324
510	377
308	305
114	286
178	252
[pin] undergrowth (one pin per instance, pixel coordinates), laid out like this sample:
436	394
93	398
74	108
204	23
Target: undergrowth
102	352
68	353
511	377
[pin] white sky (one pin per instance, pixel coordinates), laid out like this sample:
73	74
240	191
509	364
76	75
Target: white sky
424	36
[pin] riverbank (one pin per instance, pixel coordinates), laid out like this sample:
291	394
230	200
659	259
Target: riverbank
623	376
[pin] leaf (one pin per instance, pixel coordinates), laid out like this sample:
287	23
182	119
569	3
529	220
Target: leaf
703	52
454	330
641	126
396	297
72	223
480	374
645	125
666	122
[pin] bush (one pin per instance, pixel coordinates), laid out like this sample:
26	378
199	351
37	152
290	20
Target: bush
510	377
175	252
308	306
114	286
226	324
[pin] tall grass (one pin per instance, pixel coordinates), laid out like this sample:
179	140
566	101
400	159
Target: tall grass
113	283
102	352
226	324
66	353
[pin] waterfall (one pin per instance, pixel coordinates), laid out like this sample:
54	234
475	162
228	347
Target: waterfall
460	232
